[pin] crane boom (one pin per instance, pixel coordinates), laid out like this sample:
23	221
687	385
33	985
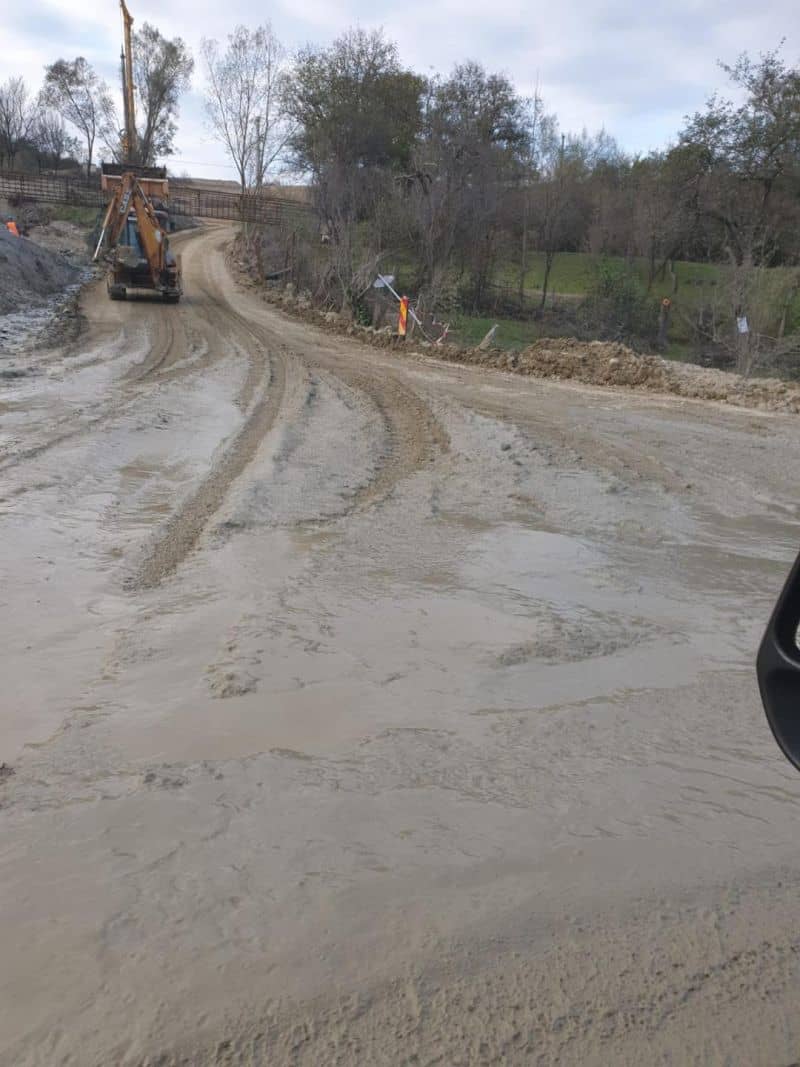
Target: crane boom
130	145
135	227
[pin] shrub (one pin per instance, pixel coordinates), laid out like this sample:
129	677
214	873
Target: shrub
617	307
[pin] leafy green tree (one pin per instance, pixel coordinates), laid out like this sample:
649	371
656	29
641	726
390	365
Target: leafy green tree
747	157
354	105
356	114
474	136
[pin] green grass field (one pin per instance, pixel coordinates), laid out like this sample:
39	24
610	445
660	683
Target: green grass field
512	333
574	272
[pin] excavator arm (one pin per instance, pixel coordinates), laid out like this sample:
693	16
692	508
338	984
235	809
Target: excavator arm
151	236
116	215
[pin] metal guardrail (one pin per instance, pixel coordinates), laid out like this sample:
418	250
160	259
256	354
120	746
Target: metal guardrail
184	199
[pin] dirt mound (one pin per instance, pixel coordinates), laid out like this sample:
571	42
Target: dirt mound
594	362
612	364
30	273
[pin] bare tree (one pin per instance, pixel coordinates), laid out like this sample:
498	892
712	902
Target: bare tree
552	204
467	157
17	115
162	71
244	100
541	131
52	139
72	88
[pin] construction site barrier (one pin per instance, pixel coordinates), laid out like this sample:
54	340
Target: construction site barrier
260	208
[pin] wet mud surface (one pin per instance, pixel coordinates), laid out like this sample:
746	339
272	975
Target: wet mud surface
361	708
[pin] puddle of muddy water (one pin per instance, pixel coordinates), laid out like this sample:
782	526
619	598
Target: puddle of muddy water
70	512
310	660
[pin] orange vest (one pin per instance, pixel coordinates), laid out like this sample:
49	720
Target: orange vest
12	228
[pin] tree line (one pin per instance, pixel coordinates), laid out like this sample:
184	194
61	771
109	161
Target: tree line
457	180
74	110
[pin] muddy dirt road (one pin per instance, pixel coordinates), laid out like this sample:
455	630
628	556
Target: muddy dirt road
367	710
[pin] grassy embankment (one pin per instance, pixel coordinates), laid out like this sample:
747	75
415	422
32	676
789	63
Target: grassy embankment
85	217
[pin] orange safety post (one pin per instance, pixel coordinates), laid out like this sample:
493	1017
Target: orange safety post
402	322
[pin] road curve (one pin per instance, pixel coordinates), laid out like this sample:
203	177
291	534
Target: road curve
360	708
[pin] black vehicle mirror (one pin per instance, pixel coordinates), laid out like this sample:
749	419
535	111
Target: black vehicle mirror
778	668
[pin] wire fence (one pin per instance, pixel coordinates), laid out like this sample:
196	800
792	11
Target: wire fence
184	199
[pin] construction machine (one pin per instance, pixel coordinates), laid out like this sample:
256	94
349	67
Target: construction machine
135	234
136	224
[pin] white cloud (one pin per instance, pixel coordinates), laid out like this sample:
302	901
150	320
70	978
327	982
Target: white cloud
632	68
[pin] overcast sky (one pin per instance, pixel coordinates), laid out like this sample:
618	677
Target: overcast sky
633	68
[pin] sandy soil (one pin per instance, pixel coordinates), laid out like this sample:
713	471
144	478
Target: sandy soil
368	710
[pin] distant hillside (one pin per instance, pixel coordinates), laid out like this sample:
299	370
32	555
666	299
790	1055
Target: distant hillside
301	193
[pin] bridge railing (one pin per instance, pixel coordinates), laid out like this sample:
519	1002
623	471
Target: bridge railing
185	198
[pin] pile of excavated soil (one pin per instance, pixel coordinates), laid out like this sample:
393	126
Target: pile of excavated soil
30	273
606	363
593	362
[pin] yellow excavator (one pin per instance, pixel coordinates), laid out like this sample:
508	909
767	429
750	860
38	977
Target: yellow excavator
136	224
135	234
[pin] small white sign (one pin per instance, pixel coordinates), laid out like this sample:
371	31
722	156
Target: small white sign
741	324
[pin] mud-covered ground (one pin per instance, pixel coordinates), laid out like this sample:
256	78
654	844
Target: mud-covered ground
367	709
40	278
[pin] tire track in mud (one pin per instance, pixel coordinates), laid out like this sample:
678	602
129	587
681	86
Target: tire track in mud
161	348
267	372
179	535
414	436
158	352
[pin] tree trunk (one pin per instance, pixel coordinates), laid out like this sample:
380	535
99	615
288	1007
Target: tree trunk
787	303
673	277
651	265
663	324
548	266
523	267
